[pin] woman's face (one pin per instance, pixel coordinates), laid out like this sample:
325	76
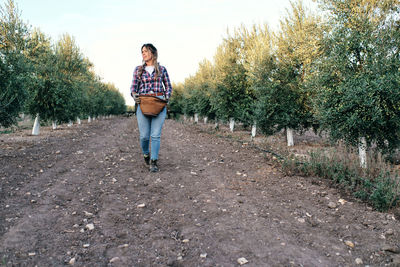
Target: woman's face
147	55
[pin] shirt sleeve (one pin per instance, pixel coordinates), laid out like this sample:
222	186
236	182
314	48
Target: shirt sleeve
135	80
167	83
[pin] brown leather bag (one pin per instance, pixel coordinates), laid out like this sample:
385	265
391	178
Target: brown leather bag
151	105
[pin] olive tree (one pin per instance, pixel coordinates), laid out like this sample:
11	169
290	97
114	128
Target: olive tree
15	68
284	101
358	78
231	96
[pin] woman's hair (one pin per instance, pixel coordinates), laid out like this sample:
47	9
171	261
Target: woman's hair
154	52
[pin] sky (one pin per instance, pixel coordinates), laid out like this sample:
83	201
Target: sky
111	32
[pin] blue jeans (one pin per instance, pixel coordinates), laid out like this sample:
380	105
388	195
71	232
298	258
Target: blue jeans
150	127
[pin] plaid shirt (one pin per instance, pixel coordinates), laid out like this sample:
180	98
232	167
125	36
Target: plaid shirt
148	84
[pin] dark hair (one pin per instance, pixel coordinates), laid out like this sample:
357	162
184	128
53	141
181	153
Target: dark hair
151	47
154	52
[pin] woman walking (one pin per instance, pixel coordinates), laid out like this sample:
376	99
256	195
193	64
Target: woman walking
148	79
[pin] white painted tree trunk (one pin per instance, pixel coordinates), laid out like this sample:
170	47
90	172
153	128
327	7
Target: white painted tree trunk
216	126
231	124
89	120
362	152
289	135
184	117
36	126
23	116
196	118
78	120
54	125
70	123
205	120
253	130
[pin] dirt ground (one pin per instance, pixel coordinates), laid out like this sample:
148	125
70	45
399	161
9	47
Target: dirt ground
82	196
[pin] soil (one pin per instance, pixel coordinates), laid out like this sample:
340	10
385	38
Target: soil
82	196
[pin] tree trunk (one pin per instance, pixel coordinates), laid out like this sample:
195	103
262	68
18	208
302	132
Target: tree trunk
78	120
289	135
54	125
253	130
36	126
231	124
205	120
196	118
362	152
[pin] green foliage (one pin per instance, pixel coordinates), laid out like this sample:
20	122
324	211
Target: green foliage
358	79
284	101
56	93
342	74
259	60
109	101
258	77
386	193
279	107
382	191
196	102
198	90
13	83
14	66
232	97
55	81
176	101
115	101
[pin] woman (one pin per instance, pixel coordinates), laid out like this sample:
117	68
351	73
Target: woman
148	79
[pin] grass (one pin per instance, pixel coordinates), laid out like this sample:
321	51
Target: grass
378	185
7	131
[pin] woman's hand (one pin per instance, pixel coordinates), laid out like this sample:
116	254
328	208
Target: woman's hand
136	98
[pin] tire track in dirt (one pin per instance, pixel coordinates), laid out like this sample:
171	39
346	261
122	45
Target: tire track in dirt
213	202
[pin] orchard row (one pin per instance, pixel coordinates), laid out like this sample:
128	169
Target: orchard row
52	80
338	73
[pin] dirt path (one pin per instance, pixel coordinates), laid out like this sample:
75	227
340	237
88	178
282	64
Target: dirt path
213	202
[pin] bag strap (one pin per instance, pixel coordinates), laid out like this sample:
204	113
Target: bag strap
139	78
138	85
164	91
163	86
